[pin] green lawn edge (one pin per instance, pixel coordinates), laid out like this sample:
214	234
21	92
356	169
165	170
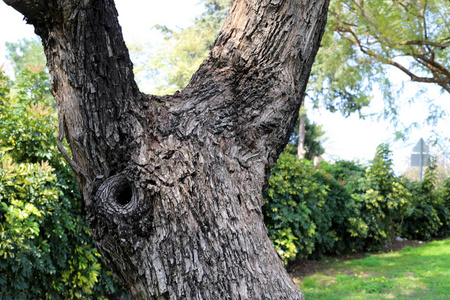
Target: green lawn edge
421	272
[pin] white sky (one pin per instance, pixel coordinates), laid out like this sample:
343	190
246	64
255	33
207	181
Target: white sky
350	139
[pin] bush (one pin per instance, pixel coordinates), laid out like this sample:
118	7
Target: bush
383	200
308	212
429	215
334	208
46	251
344	178
446	193
292	191
444	208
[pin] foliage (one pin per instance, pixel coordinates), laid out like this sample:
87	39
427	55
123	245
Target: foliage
383	199
307	211
26	55
344	207
429	215
184	50
313	139
287	214
446	192
43	249
364	38
345	178
28	127
340	230
46	250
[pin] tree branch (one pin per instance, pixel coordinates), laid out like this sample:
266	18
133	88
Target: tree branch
434	66
92	78
33	10
442	82
441	74
426	43
263	54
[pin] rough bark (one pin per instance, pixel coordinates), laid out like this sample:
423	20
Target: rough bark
173	185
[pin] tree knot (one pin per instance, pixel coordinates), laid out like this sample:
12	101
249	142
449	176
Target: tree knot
117	194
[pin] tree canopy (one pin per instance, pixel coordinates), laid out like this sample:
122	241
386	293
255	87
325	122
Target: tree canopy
364	38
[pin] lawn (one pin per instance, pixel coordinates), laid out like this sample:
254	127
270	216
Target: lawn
413	273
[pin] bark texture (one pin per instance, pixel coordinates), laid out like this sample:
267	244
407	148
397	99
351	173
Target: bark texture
173	185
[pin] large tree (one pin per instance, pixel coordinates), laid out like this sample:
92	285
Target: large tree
173	185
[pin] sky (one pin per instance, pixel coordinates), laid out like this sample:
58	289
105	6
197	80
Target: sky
346	138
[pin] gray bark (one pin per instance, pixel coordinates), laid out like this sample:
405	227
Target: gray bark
173	185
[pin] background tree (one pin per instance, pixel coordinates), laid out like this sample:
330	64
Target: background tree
364	38
173	185
312	142
301	136
171	67
26	55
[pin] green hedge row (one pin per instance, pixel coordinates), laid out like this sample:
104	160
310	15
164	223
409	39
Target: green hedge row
346	207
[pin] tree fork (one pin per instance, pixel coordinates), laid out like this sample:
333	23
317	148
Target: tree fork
173	185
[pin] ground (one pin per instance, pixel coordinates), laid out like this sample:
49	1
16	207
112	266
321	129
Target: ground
304	267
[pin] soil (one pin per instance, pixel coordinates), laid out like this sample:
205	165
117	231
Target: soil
305	267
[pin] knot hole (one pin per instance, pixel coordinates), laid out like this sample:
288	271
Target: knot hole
124	193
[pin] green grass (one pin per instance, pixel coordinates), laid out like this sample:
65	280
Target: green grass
413	273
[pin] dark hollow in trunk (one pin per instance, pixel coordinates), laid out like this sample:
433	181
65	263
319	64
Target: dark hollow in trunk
173	185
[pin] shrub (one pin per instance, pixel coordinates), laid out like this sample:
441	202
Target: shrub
292	192
429	216
308	212
344	177
334	208
444	208
46	251
446	193
382	199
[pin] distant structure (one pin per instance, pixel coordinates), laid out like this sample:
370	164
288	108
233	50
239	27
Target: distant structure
420	156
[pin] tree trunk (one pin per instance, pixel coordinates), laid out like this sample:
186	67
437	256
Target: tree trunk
173	185
301	151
